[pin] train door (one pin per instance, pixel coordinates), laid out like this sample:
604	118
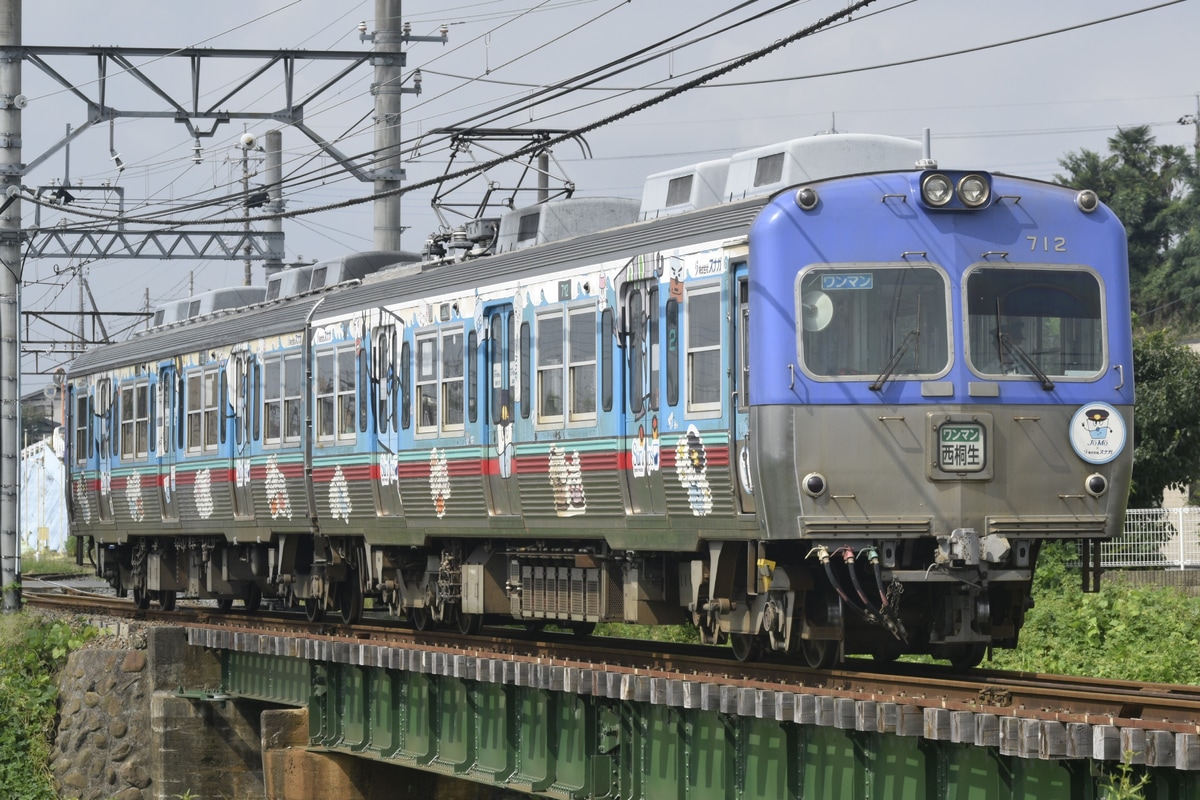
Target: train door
500	410
83	453
105	434
241	398
740	386
643	357
385	387
166	433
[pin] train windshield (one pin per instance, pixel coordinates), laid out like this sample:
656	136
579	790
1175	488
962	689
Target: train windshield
1024	320
867	322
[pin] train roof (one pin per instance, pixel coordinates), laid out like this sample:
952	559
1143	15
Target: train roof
627	241
241	325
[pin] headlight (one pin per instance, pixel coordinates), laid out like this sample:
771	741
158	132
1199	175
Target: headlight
937	189
973	191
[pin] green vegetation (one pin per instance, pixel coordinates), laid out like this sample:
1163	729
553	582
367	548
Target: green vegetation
1126	632
31	650
1125	783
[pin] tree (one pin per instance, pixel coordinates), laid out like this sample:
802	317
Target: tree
1149	187
1166	420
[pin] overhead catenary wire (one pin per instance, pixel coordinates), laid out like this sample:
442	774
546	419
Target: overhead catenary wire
529	149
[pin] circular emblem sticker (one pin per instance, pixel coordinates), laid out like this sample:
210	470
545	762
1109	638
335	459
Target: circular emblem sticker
1097	433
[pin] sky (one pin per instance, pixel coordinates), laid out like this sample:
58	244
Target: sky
1011	87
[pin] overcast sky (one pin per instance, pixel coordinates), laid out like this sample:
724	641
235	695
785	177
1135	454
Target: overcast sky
1017	100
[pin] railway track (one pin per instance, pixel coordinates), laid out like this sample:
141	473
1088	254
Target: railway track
1057	698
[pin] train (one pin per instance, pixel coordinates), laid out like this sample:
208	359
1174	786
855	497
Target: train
817	399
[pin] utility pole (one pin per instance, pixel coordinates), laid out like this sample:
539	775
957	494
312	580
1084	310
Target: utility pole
11	170
273	172
389	63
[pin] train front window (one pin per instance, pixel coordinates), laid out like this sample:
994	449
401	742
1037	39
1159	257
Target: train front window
1019	318
860	321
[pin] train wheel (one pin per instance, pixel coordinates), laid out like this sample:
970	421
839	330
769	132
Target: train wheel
141	599
166	599
582	628
252	598
313	610
225	604
746	646
818	653
469	624
966	656
350	599
420	619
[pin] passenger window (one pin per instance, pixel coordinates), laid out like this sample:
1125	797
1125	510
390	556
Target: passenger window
704	348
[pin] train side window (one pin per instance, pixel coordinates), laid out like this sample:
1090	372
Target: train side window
384	353
255	398
293	397
240	418
364	384
472	376
272	400
637	355
523	395
83	416
452	380
606	359
406	385
672	350
141	423
195	412
653	348
214	431
704	348
427	392
180	390
125	441
743	376
104	407
346	366
326	396
550	367
581	357
496	361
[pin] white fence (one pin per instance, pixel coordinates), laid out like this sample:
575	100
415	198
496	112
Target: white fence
1156	537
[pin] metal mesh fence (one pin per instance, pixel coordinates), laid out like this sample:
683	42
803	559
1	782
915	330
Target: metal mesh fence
1156	537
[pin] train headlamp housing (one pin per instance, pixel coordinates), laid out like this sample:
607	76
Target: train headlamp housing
814	484
949	190
1096	484
936	190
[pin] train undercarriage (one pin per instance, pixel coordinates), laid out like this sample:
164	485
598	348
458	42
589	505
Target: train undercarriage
952	597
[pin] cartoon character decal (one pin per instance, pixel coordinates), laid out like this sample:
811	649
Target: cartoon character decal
1098	433
504	443
203	493
439	481
639	453
133	496
83	506
691	467
389	470
339	496
277	492
566	483
652	448
676	279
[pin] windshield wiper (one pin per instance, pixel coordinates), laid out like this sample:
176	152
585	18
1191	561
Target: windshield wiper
1019	353
909	339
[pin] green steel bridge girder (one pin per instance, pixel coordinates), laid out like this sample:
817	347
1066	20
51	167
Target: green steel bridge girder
574	745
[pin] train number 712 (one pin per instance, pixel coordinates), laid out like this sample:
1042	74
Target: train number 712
1057	244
